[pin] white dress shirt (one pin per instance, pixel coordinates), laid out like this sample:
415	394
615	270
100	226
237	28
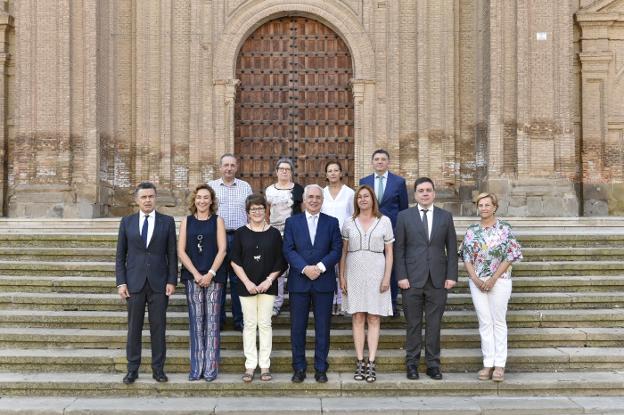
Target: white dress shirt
312	227
429	217
151	222
384	180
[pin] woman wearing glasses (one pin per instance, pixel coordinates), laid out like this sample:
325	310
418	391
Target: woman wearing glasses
257	261
284	199
201	249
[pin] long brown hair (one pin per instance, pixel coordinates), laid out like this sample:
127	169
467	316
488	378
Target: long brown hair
213	198
356	208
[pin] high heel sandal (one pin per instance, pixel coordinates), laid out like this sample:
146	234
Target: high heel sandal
371	376
359	370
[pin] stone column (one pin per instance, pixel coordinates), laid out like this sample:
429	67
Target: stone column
6	24
364	129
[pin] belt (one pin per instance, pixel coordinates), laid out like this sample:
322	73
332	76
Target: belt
230	231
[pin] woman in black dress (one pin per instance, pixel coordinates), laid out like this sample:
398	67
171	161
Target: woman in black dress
257	261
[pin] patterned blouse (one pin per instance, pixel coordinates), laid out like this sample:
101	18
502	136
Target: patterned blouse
487	248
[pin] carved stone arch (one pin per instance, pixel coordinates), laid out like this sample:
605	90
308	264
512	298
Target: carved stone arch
336	16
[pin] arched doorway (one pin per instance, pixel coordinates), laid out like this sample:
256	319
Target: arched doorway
294	100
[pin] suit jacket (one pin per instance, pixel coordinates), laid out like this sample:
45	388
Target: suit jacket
157	263
299	252
416	258
395	195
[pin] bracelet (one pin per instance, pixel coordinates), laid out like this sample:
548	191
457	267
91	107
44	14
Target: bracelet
212	271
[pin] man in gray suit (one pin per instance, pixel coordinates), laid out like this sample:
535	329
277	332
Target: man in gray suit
146	271
426	267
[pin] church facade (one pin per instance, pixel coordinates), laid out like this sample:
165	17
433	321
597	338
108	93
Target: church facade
520	97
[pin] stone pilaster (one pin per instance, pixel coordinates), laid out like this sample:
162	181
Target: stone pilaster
6	24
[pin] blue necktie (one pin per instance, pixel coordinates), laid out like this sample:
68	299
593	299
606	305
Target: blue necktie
144	230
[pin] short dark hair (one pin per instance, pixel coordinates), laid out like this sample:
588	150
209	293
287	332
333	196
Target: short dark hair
255	199
227	155
329	163
213	197
422	180
380	151
144	185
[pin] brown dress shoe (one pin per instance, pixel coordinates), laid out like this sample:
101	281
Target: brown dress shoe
486	373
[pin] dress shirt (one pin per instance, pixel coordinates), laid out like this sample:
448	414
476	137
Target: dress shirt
231	199
151	222
376	181
429	217
313	235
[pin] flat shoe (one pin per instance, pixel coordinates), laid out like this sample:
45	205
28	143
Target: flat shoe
248	376
499	374
266	376
486	373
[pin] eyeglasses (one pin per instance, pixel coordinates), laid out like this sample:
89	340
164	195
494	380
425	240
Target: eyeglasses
284	169
256	210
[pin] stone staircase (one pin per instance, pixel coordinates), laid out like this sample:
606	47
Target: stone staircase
63	327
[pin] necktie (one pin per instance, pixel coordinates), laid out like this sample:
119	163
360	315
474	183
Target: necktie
380	188
425	222
144	230
313	228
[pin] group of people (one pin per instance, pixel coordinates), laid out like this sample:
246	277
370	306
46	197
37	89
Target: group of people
340	250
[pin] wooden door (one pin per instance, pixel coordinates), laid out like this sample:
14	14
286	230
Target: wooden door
294	100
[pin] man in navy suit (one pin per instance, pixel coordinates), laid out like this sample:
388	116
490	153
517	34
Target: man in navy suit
146	271
312	247
391	192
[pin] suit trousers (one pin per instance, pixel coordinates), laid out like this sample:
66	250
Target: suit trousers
491	310
204	308
299	311
157	317
433	301
237	313
257	312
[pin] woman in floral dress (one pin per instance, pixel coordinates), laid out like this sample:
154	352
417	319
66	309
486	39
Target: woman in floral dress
488	250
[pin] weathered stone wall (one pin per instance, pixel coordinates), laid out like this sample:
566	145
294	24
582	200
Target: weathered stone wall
512	96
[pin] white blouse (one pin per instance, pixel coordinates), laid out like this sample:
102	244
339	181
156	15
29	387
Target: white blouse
341	207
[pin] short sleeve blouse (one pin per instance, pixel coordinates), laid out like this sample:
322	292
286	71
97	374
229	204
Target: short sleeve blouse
378	235
486	248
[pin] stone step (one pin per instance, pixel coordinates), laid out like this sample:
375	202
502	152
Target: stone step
391	385
232	361
177	302
107	254
106	269
103	285
529	237
117	320
341	338
272	403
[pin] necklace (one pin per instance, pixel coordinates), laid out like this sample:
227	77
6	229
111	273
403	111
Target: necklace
258	230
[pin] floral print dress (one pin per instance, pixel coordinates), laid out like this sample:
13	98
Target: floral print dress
486	248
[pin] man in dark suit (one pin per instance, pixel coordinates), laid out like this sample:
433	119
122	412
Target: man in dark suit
391	193
312	247
426	267
146	270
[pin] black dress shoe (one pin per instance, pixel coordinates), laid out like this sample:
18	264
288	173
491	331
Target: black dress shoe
130	377
434	373
159	376
320	377
412	372
298	376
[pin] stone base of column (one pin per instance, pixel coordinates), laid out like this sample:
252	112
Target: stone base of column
53	201
603	199
536	197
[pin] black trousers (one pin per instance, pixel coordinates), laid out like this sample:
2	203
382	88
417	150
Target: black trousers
433	301
157	316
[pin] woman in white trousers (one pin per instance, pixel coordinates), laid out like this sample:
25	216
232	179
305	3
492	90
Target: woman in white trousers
488	250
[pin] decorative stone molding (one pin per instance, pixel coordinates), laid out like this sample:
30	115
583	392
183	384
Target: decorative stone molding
6	24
